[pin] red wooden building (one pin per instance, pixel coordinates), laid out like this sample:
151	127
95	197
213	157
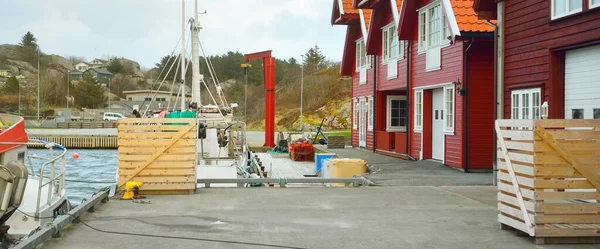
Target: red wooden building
442	56
549	51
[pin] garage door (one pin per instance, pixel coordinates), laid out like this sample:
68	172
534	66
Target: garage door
582	83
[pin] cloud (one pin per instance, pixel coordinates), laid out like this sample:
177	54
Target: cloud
147	30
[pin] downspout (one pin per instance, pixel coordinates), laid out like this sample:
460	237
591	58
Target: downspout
466	107
374	108
408	91
494	162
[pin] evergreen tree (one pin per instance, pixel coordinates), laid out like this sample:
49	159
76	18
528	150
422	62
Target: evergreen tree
11	86
314	59
28	40
115	67
89	93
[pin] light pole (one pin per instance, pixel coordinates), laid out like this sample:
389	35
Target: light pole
301	92
68	86
246	67
38	85
19	97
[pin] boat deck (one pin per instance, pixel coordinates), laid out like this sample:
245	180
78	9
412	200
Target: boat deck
366	217
282	167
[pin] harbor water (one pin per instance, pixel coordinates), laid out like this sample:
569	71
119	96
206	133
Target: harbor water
93	170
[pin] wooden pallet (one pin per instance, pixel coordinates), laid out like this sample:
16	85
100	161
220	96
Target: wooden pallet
549	179
161	153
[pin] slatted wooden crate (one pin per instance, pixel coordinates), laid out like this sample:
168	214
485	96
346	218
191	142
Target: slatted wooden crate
549	179
158	152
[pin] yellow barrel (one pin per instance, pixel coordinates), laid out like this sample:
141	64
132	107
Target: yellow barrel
346	168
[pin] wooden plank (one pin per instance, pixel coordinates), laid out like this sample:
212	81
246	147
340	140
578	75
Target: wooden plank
514	123
134	121
163	179
518	168
567	208
519	145
541	183
149	150
516	224
561	171
512	200
521	158
542	218
550	158
522	181
570	145
514	212
567	232
541	195
158	164
507	187
154	143
573	134
168	186
155	135
176	137
594	179
555	123
150	127
161	172
165	157
518	135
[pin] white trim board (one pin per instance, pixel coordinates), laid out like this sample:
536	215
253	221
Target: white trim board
341	6
363	25
433	86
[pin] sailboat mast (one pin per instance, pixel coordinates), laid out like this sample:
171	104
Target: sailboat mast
182	56
196	77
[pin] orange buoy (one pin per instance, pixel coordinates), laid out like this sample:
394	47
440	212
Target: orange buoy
75	155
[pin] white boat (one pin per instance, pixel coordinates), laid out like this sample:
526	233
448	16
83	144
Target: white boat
31	195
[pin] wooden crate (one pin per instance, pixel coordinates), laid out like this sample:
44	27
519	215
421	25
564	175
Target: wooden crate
158	152
549	179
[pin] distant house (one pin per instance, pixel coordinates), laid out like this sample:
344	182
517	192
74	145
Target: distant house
97	62
5	72
75	75
82	66
102	75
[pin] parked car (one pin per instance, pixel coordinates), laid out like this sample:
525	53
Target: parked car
112	116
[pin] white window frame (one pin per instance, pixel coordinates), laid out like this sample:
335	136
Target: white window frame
569	11
444	28
449	112
361	55
355	111
387	51
389	127
370	109
418	114
530	105
592	5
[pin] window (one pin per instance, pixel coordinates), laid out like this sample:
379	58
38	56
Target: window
371	108
355	116
433	33
577	113
525	103
392	48
147	99
397	113
449	109
418	111
594	3
562	8
129	98
596	113
361	55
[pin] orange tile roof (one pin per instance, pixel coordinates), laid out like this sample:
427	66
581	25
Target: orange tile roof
467	18
348	9
399	4
367	14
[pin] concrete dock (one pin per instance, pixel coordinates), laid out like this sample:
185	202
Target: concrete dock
415	205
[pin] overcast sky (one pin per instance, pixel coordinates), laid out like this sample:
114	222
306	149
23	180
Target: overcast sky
146	30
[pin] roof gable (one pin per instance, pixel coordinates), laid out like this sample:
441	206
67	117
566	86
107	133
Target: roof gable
342	12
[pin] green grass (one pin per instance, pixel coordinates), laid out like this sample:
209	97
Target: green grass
339	133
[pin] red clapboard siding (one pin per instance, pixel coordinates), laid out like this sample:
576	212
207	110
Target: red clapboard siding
533	41
383	84
481	105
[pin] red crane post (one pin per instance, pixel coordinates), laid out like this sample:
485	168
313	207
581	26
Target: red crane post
269	73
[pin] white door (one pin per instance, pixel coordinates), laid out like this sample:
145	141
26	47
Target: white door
582	83
437	136
362	124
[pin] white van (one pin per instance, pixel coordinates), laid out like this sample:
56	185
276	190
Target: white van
112	116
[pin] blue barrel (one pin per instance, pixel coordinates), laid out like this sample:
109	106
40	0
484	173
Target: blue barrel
319	157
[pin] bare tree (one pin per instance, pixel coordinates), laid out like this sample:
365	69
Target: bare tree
75	59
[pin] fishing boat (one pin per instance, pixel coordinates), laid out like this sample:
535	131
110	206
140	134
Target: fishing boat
33	187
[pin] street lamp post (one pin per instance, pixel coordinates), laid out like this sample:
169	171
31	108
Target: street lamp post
68	86
246	67
301	92
38	85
